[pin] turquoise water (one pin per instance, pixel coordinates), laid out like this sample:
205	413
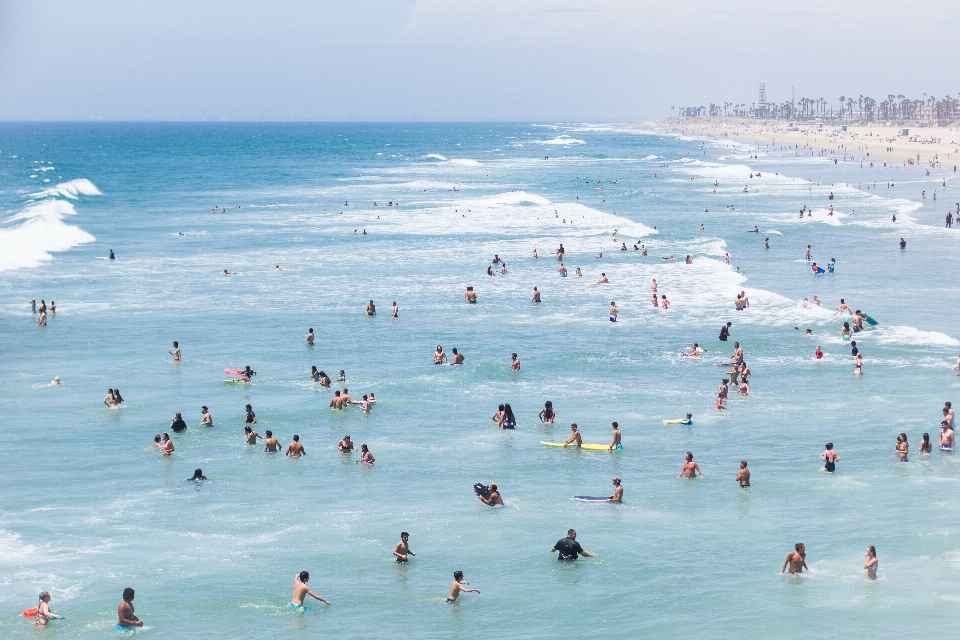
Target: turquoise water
88	507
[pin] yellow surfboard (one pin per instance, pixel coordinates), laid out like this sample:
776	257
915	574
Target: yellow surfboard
588	447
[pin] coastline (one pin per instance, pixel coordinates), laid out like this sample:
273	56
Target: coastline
863	141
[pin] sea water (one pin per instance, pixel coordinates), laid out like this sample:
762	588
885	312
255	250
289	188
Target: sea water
88	507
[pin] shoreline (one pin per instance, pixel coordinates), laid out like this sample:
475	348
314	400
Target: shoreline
861	141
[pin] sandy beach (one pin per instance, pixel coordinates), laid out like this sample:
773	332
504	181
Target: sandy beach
926	145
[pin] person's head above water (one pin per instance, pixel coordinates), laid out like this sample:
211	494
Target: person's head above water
458	575
616	480
269	433
198	474
829	446
296	438
128	595
304	576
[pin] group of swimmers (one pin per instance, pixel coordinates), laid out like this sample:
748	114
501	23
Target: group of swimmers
42	317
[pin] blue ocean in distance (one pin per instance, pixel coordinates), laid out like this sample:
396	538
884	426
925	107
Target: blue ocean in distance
88	507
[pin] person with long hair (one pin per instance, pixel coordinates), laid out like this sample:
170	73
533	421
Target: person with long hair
870	562
508	422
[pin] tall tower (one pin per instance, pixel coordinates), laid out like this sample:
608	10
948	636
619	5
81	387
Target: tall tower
762	103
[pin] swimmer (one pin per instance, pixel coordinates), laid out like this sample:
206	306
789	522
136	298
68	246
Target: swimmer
250	417
301	590
845	331
365	455
808	332
54	382
695	351
310	336
616	445
947	413
946	437
534	254
324	379
574	437
295	449
613	311
579	273
197	476
458	357
166	446
514	362
250	436
457	586
858	364
439	357
490	271
493	498
207	420
664	302
843	307
797	560
819	353
690	468
926	447
346	445
725	331
342	376
402	549
547	414
830	458
176	351
177	423
314	373
617	492
279	268
228	273
271	445
470	296
365	404
109	400
536	295
603	279
743	476
816	302
395	313
125	615
689	261
569	548
562	270
870	562
44	614
371	309
337	402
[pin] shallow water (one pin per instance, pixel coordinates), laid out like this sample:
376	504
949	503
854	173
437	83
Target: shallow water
87	507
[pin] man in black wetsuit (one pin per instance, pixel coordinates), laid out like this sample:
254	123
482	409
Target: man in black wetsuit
725	331
178	424
569	548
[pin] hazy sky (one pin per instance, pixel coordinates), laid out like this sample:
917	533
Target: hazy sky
522	60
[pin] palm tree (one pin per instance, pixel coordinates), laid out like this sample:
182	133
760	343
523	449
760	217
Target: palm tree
842	98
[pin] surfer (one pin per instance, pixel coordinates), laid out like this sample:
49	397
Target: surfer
207	420
569	548
271	445
725	331
797	560
125	615
615	445
690	468
695	351
402	550
301	590
743	476
295	449
613	311
251	417
603	279
618	491
575	436
458	585
177	423
547	414
493	498
176	351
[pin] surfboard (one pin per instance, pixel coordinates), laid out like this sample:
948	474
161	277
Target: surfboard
869	320
234	372
677	421
235	381
588	447
590	498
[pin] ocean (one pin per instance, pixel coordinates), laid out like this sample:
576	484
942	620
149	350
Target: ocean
414	213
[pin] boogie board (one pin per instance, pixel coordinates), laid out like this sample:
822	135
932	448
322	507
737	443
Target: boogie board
588	447
481	490
678	421
235	381
869	320
590	498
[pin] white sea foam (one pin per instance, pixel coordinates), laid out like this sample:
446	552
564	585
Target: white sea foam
28	238
562	139
435	156
71	189
466	162
913	337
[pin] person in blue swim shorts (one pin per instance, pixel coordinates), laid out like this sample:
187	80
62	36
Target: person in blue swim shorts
301	590
613	311
615	445
125	617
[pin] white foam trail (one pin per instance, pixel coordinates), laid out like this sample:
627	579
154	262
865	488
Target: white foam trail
71	189
466	162
562	139
39	229
913	337
435	156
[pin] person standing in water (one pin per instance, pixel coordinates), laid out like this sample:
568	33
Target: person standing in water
125	615
295	449
457	586
395	313
569	548
176	351
547	415
514	362
830	458
797	559
743	476
439	357
301	591
690	468
470	296
44	614
207	420
902	447
493	499
870	562
310	336
371	309
536	295
613	311
615	445
402	549
271	445
946	437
